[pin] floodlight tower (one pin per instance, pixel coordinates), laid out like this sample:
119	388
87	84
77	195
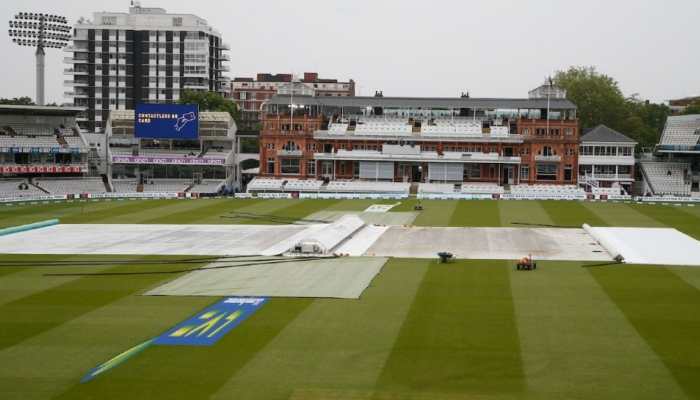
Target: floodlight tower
41	31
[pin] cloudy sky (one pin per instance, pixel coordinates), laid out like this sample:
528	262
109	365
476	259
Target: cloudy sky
491	48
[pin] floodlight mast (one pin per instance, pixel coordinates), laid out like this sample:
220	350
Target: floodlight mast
41	31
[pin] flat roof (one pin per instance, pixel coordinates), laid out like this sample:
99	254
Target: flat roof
425	102
40	110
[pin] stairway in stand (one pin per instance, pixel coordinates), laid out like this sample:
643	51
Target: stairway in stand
414	188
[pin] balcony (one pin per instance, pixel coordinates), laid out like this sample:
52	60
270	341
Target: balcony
195	86
605	177
548	158
224	46
76	95
73	60
73	49
196	73
606	160
225	57
290	153
423	156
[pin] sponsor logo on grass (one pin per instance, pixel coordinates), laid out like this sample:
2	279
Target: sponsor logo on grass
116	361
203	329
212	323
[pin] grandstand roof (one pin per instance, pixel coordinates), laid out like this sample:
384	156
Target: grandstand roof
425	102
39	110
602	133
681	130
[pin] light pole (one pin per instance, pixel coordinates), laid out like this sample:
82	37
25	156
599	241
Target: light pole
41	31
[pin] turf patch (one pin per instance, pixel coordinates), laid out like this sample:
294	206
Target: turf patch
460	334
674	217
31	315
664	310
571	214
475	213
351	341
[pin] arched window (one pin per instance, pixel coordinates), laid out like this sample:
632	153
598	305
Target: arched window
290	146
547	151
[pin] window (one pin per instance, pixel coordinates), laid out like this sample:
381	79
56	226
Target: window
524	173
195	58
311	167
525	150
270	165
472	171
243	95
177	21
547	151
290	146
109	20
546	172
568	172
270	146
568	131
290	166
526	131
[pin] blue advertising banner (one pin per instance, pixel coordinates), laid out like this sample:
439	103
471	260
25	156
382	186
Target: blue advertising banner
166	121
212	323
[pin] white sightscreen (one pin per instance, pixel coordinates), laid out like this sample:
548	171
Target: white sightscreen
376	170
446	172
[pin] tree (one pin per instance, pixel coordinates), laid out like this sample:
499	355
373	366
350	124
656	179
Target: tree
652	118
210	101
600	101
597	96
693	108
18	101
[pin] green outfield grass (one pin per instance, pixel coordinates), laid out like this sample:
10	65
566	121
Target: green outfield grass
467	330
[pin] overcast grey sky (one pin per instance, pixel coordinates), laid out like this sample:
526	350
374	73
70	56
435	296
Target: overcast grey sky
492	48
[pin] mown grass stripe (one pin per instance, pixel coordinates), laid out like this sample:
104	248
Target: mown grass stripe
674	217
571	332
570	214
475	213
434	213
620	214
193	212
139	214
24	215
114	208
521	214
349	348
38	312
664	310
459	335
26	280
215	214
289	210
